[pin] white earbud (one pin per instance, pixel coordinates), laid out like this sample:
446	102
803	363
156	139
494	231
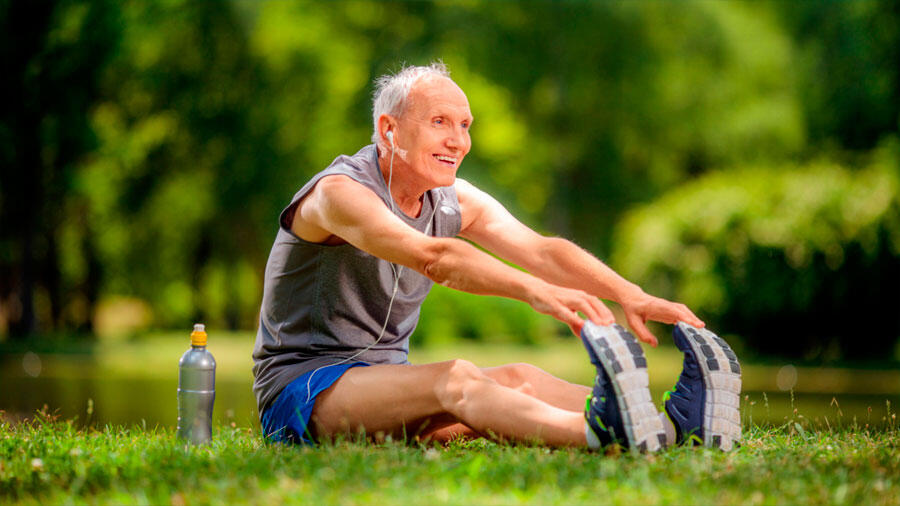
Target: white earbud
390	136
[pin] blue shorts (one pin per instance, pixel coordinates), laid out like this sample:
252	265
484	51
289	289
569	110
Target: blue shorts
286	420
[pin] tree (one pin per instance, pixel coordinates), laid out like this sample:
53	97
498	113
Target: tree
798	261
53	52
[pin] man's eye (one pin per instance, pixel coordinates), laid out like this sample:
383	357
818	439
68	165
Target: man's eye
465	125
438	121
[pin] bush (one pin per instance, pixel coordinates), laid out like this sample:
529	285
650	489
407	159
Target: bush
449	315
798	261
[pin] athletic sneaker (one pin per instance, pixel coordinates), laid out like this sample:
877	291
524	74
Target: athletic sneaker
619	409
704	404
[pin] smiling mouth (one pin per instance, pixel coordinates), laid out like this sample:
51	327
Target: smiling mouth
448	160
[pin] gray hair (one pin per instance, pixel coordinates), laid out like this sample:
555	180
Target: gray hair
392	90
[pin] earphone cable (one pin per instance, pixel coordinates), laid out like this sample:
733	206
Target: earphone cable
396	270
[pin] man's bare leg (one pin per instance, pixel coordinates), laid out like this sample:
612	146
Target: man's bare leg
407	399
541	384
527	379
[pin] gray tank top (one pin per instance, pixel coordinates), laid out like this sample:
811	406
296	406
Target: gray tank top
322	304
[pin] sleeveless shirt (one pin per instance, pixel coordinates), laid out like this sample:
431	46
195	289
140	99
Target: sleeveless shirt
322	304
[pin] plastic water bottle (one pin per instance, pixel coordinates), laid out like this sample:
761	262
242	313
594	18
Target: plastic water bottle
196	390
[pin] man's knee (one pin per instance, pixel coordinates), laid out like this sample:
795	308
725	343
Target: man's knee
517	375
458	384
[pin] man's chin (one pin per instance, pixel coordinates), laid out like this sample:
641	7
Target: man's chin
447	181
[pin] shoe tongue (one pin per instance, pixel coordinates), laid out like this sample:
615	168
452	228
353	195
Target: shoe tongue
691	366
690	374
610	410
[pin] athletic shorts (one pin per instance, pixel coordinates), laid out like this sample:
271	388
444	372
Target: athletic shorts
287	419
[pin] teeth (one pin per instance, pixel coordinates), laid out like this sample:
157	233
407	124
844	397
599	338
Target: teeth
445	158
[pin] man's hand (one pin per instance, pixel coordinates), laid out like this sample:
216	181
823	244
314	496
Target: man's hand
565	303
642	307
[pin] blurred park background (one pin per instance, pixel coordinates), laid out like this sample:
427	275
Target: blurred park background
740	157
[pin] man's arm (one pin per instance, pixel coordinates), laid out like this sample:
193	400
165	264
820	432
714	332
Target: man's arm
560	262
343	208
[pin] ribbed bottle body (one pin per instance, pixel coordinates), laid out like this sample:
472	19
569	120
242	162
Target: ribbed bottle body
196	395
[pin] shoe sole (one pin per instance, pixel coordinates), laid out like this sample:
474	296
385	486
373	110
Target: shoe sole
624	362
722	379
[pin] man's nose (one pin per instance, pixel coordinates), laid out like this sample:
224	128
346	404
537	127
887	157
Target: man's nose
457	139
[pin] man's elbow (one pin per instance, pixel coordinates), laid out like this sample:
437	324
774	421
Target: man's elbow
552	249
438	258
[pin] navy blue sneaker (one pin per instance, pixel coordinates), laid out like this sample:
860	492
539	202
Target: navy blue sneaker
619	409
704	405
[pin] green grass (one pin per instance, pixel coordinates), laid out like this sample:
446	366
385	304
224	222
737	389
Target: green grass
47	461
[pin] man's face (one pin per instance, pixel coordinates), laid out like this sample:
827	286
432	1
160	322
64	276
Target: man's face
432	134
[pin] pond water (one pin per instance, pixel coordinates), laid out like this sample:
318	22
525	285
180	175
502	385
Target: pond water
120	401
153	402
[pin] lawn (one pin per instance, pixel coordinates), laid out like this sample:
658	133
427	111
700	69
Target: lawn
48	461
802	453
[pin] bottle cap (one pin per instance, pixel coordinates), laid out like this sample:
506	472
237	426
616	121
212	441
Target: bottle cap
198	336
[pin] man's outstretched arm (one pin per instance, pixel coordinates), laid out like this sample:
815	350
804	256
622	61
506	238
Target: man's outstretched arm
341	207
561	262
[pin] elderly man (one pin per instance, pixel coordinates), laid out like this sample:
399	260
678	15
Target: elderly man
357	251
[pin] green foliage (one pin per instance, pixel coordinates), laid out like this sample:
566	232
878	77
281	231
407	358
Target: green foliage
850	75
148	147
178	187
629	99
46	461
53	55
448	315
798	260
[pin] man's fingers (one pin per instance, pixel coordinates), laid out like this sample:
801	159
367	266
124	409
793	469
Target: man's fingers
643	333
585	307
576	330
680	312
591	307
689	317
671	312
571	319
606	316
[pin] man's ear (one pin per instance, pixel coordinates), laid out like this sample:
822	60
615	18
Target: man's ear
386	123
